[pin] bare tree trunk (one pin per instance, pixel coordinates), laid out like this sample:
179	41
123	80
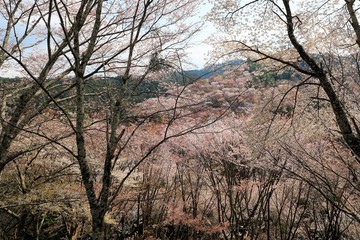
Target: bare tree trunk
98	226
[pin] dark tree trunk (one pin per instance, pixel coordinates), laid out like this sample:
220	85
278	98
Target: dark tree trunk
98	225
342	118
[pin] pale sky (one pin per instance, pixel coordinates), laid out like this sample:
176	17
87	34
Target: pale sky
198	53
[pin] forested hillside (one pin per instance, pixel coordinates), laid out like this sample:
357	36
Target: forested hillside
106	134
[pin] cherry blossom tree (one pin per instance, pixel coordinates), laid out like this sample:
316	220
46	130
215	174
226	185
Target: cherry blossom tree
307	39
319	40
91	41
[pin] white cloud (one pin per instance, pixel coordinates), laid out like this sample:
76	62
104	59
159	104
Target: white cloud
198	54
10	73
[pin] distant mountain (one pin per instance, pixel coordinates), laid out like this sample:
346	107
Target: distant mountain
190	76
214	70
